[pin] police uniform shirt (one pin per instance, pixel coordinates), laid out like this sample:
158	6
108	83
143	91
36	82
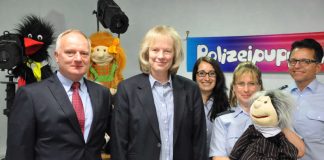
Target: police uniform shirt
309	118
227	129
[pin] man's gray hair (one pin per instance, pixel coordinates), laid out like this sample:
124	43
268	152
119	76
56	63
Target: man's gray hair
59	38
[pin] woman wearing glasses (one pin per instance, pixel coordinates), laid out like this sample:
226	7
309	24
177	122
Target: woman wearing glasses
211	81
229	127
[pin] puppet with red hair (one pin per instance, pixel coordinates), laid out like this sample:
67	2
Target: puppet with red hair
108	60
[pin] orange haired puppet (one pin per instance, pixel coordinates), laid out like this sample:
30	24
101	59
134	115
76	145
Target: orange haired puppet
108	60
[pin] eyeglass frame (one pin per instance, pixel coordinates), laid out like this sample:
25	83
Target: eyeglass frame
302	62
249	84
204	74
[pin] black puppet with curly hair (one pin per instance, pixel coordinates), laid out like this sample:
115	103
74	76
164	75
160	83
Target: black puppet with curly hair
38	36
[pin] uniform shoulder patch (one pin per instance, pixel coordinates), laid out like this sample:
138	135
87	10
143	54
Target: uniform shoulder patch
283	87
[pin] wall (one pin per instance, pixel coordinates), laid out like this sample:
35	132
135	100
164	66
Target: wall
201	18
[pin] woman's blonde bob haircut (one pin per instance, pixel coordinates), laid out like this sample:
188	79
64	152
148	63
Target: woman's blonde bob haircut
240	70
151	36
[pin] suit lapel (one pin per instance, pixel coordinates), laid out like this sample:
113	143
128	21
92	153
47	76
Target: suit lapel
179	98
144	93
65	104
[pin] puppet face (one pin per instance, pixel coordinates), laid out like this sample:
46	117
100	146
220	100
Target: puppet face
100	55
263	113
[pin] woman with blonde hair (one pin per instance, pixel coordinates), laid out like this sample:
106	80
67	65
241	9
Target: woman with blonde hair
227	128
159	115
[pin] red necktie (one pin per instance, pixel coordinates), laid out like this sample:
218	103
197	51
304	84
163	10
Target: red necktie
77	104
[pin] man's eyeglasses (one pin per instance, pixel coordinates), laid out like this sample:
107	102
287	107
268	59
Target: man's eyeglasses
203	74
302	62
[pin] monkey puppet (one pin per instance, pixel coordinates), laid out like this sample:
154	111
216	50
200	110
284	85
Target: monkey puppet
107	60
270	112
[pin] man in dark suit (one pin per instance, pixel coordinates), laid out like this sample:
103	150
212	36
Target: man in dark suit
159	115
45	122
